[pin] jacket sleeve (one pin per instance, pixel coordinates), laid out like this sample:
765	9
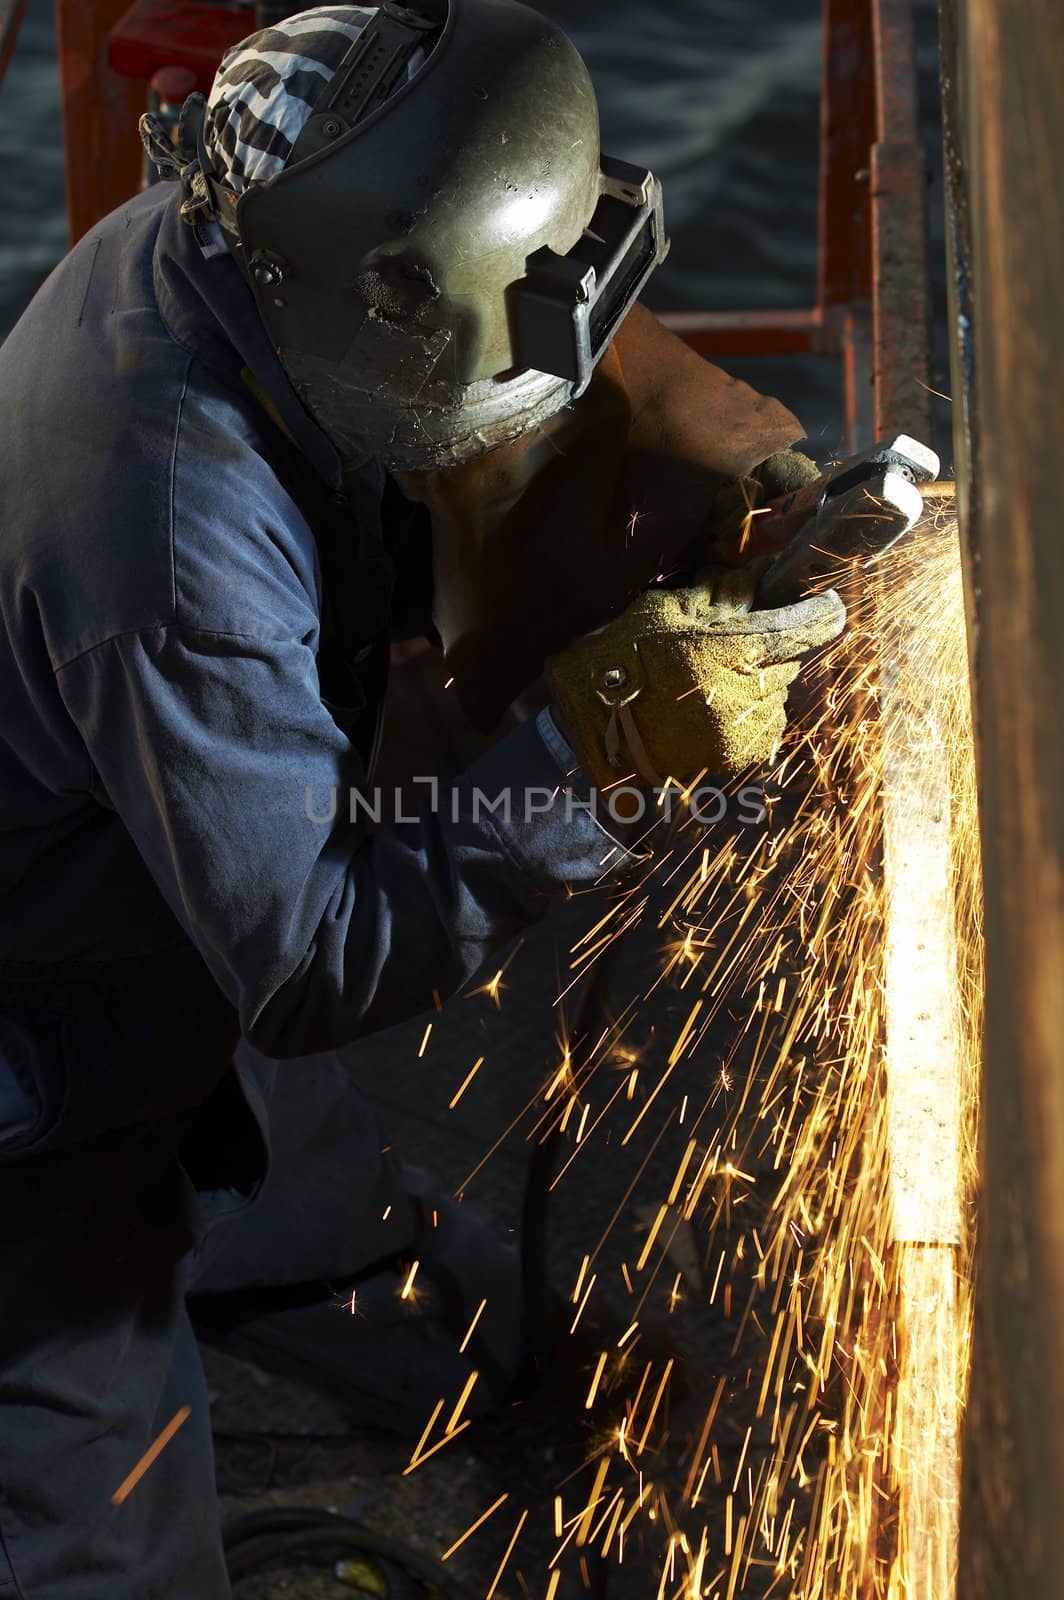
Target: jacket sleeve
239	790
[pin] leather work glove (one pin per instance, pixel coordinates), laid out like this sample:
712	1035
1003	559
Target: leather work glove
688	682
733	531
539	541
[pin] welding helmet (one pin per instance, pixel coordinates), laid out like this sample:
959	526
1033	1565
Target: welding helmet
444	254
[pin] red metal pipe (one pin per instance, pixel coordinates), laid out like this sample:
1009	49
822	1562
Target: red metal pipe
719	334
100	112
10	25
847	131
159	33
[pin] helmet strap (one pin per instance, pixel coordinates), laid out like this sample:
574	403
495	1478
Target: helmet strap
374	67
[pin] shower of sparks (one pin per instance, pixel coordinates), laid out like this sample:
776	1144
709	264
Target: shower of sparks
782	1174
479	1523
478	1313
466	1081
152	1454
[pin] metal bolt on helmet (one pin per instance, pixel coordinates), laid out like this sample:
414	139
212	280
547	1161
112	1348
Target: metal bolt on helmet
445	257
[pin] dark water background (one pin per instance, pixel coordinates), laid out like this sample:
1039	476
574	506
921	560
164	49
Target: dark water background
720	97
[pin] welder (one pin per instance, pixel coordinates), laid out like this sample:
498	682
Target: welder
370	365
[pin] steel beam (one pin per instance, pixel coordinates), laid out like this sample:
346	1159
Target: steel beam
922	1024
1005	125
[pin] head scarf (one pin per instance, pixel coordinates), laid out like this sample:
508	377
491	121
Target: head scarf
266	88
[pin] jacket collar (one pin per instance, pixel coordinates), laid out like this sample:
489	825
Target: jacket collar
211	311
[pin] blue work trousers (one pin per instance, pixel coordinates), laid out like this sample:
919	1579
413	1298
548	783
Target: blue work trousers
277	1180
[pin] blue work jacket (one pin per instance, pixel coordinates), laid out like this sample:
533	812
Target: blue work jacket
169	758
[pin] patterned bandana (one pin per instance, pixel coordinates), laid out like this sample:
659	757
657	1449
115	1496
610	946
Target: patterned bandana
267	86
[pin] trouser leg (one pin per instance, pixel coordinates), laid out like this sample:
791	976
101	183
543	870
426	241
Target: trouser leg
309	1279
97	1356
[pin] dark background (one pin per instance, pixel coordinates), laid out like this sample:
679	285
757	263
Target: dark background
720	97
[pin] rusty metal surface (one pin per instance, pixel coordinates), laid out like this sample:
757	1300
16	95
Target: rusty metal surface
1002	75
898	194
108	50
847	130
921	1045
900	300
100	112
962	311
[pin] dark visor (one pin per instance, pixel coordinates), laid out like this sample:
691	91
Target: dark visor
567	309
